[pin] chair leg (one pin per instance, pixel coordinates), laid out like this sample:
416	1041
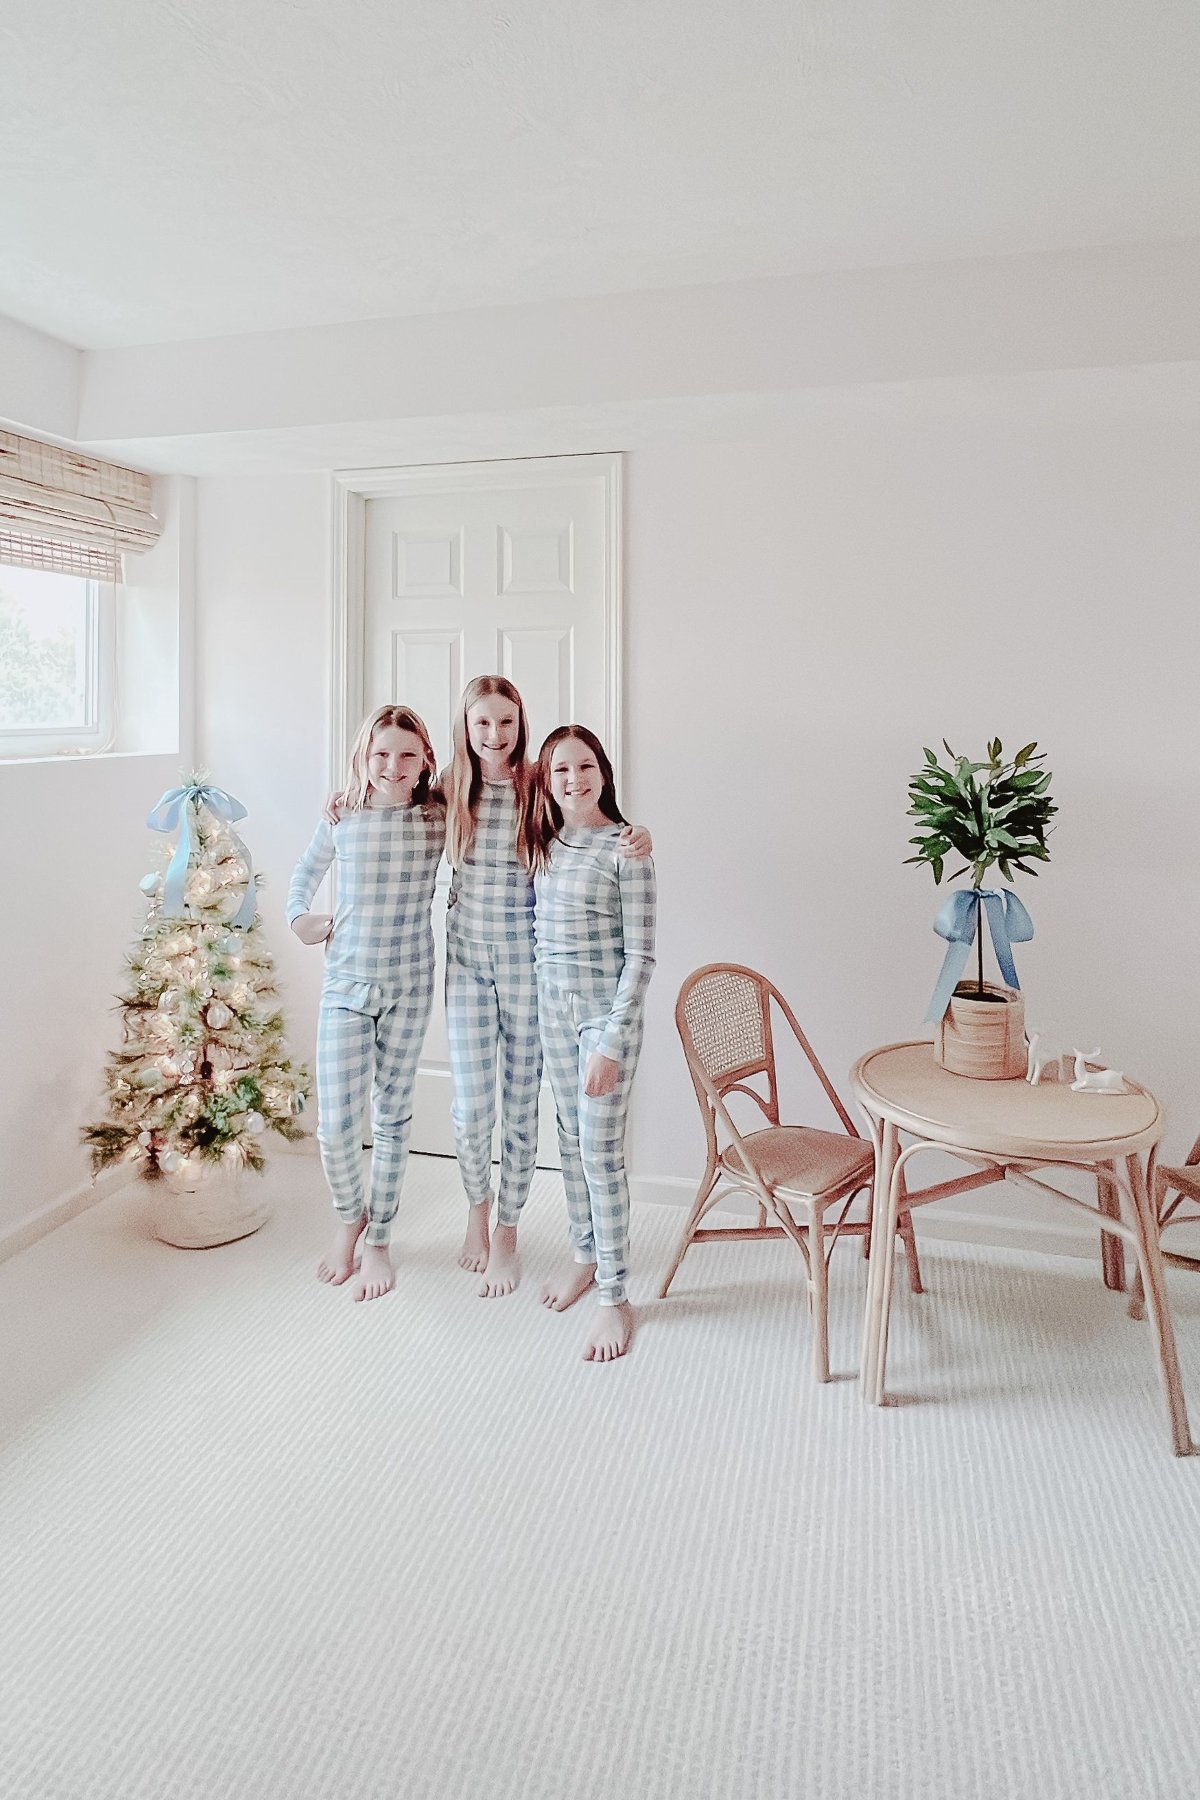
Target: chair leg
707	1185
1151	1268
866	1243
818	1288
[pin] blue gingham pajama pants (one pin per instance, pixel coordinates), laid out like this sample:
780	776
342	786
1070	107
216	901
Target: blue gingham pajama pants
492	1006
591	1133
369	1038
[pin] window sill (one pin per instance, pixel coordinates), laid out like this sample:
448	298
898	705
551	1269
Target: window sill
87	756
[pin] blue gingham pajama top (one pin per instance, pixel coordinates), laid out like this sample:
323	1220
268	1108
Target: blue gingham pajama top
595	954
491	1006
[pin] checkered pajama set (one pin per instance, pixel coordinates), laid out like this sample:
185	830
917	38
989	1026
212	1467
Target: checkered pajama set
595	954
492	1005
377	994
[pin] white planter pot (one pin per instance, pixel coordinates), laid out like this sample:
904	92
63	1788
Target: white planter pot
196	1211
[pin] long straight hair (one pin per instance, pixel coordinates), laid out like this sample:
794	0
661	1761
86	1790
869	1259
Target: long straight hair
358	780
546	815
462	780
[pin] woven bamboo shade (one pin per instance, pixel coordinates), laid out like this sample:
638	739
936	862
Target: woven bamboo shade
68	512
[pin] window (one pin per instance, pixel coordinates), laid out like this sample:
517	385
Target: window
56	663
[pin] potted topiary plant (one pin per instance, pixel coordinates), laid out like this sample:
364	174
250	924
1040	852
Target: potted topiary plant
992	813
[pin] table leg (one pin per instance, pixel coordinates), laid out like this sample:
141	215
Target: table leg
887	1279
1151	1264
882	1251
1112	1250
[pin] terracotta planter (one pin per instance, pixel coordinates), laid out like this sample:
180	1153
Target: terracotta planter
983	1039
217	1207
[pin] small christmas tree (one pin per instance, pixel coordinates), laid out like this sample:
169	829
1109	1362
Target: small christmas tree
202	1073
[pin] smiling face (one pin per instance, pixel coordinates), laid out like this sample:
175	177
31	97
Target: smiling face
493	729
576	782
395	762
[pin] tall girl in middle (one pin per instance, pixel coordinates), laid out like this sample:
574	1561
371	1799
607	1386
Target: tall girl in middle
491	979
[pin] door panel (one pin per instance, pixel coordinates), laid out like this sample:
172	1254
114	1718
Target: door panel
509	572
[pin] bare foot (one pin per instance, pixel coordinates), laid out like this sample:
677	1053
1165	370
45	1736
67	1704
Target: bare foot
503	1270
474	1253
568	1286
612	1333
376	1275
338	1266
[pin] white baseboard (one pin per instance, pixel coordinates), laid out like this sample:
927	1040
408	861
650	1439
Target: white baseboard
67	1206
89	1193
1008	1230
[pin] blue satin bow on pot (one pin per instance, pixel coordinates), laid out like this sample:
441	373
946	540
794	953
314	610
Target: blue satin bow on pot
958	922
178	808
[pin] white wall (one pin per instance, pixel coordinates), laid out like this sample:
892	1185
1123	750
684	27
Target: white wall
824	599
75	848
75	845
262	643
830	601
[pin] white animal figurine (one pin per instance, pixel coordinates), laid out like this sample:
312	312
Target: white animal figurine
1043	1060
1096	1081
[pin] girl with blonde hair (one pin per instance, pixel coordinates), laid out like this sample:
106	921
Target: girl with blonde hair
377	992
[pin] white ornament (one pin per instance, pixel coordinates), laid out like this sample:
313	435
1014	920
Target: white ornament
150	884
218	1015
148	1078
255	1124
1045	1063
145	1139
170	1162
1096	1081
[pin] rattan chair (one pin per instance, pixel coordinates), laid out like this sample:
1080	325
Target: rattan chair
1182	1183
723	1016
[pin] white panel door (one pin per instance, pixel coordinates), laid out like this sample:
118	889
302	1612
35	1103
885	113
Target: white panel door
501	569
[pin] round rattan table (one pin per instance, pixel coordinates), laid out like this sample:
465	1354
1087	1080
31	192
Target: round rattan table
1007	1130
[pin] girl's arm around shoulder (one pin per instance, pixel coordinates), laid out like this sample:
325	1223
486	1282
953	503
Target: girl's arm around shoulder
635	841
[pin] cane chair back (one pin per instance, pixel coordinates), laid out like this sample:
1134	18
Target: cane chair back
1184	1183
723	1016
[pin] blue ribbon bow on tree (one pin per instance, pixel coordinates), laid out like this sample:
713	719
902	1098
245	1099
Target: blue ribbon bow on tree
958	922
178	808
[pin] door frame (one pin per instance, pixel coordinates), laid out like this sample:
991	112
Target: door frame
352	488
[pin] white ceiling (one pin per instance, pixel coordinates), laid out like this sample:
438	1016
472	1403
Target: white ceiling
188	168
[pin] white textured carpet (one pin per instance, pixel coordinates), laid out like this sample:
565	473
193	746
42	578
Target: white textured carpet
260	1542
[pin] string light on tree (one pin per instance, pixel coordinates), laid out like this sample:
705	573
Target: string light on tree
202	1074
